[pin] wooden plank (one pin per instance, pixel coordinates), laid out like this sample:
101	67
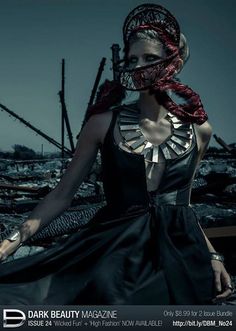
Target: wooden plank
222	231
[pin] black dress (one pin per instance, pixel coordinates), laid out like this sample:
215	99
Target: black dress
141	248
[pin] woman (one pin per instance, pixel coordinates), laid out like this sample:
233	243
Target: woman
145	246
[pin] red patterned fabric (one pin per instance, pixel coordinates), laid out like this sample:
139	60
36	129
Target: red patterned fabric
110	94
161	79
192	110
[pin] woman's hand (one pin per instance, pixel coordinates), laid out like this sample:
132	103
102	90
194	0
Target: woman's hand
222	280
7	248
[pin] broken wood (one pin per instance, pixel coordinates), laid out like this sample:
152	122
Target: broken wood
38	190
224	145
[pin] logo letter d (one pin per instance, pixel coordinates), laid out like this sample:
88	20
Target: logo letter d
13	318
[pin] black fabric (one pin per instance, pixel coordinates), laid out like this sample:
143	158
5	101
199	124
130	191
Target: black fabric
141	248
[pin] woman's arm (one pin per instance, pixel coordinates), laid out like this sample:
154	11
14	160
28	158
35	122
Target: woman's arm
222	278
209	245
203	135
60	197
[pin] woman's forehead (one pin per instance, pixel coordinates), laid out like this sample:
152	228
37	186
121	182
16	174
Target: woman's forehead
146	46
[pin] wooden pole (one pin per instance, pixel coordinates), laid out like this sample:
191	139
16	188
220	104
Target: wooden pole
32	127
62	112
115	60
97	80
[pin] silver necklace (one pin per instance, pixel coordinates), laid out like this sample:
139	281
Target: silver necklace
174	146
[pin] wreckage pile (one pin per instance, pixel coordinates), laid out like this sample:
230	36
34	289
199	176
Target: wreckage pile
214	189
24	183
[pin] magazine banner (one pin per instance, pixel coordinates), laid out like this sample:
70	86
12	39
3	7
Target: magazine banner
117	317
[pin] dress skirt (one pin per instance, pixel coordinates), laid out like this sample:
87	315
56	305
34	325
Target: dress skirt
151	256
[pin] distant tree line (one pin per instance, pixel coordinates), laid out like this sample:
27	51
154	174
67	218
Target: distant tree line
21	152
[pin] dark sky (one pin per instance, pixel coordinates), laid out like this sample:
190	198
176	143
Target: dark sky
36	34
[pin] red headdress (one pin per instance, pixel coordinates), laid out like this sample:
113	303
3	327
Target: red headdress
159	76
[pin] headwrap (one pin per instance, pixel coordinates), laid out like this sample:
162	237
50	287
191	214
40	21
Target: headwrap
158	77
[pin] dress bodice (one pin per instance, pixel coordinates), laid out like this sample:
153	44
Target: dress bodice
125	178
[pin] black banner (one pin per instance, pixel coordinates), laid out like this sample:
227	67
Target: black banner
116	317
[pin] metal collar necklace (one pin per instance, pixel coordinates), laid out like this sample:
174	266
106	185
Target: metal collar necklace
172	147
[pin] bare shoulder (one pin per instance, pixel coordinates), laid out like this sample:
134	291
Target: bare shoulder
204	132
98	125
203	136
102	119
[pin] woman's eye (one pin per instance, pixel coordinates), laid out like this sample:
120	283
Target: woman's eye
150	58
132	60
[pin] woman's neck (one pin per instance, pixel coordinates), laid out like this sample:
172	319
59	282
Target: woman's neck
150	108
